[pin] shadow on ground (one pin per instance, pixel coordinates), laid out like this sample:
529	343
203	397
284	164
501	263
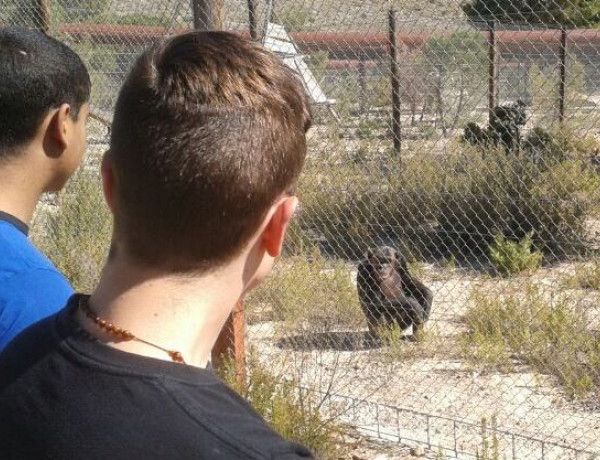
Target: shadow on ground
336	341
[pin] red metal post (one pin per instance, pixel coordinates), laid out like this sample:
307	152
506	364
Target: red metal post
231	342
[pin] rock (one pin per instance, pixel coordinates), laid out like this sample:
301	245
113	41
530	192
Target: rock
417	451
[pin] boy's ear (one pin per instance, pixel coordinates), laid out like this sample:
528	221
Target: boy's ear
57	131
274	232
108	179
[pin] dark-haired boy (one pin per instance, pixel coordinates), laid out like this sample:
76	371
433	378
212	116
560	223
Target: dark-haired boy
208	139
44	94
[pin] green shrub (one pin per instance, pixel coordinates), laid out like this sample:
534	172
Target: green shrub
556	146
367	129
293	19
76	236
298	241
81	10
510	257
294	415
571	13
317	62
335	207
549	334
514	196
543	90
454	66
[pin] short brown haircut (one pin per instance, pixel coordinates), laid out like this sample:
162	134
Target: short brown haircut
209	129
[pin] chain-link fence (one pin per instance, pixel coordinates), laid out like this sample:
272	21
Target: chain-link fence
467	139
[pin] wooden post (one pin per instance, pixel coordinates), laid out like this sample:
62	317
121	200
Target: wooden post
493	69
231	342
252	25
41	15
562	88
268	16
395	78
207	14
270	10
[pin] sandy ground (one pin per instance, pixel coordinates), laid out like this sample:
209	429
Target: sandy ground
439	382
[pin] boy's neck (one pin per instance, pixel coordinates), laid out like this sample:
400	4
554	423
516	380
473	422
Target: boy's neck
20	190
183	314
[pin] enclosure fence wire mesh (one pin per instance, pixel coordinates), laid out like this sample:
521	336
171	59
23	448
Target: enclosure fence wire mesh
440	283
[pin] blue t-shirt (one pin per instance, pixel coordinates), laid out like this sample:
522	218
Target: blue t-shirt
31	288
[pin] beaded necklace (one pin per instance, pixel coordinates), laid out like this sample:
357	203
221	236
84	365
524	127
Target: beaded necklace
122	334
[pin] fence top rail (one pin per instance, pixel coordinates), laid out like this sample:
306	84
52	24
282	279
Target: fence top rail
116	34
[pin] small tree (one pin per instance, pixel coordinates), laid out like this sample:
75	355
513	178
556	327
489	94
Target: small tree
570	13
544	90
456	67
81	10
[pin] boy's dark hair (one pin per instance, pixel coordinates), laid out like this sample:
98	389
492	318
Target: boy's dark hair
209	129
37	73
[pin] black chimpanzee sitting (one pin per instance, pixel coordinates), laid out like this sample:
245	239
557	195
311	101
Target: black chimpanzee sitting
389	295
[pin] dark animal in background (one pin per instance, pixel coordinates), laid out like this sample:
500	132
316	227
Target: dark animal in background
475	135
505	125
504	128
389	295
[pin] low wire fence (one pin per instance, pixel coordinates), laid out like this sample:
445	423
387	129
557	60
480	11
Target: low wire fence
467	141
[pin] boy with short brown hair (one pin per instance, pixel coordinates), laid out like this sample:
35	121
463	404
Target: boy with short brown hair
209	137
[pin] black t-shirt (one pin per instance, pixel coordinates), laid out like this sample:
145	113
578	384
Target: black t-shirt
65	396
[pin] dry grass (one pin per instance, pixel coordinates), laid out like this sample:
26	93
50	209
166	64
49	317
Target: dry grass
550	334
308	294
292	413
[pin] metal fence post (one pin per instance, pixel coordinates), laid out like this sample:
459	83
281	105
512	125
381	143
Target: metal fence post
41	15
207	14
563	74
493	69
252	25
395	79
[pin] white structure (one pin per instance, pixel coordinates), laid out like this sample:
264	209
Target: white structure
278	41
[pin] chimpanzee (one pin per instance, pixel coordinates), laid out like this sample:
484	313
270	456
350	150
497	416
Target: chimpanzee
505	125
389	295
504	128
